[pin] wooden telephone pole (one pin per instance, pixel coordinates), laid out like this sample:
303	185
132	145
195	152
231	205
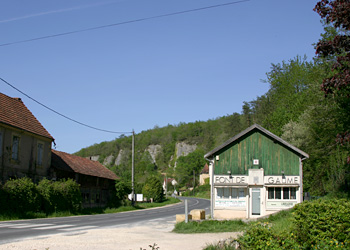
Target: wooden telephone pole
133	169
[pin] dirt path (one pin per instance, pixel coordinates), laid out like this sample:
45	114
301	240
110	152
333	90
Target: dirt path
134	237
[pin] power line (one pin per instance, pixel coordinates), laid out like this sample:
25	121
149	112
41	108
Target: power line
122	23
60	114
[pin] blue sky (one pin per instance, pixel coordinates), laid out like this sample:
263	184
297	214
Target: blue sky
183	68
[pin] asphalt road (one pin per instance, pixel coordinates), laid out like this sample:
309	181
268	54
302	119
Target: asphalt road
11	231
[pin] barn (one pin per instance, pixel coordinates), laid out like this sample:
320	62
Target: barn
254	174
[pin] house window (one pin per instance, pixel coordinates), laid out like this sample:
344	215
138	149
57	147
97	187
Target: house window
40	151
286	193
15	147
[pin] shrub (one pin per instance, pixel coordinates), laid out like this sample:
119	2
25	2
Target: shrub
66	195
321	220
45	189
21	196
123	188
153	189
260	236
63	195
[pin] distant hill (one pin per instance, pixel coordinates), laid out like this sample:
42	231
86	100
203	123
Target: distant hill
157	149
294	108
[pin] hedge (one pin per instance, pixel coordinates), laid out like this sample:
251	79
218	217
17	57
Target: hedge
20	196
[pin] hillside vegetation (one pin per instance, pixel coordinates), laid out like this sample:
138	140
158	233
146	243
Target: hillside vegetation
294	108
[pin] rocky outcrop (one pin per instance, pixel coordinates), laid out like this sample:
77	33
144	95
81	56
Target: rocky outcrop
108	160
118	160
154	150
183	149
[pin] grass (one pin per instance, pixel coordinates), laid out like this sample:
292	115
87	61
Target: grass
210	226
281	222
87	211
202	191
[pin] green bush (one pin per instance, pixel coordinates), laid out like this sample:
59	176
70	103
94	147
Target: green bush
321	220
66	195
122	188
45	189
61	195
261	236
21	196
153	189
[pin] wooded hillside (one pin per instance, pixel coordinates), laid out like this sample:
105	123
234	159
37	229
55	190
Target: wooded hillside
298	107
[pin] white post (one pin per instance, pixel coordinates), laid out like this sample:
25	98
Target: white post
186	212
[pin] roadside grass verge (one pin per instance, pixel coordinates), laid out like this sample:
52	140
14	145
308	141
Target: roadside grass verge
210	226
199	192
87	211
280	222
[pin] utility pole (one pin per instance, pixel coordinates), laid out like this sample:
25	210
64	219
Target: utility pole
133	169
166	187
194	180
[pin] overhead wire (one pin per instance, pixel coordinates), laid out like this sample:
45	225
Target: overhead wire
60	114
122	23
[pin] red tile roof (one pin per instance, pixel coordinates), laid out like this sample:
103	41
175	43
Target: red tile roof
205	170
81	165
13	112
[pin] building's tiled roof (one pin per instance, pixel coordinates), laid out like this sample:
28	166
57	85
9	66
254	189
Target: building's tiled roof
77	164
168	180
13	112
205	170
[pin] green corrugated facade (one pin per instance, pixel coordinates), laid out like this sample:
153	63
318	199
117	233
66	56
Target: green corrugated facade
273	156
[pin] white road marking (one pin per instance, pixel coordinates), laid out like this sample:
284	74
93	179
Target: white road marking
8	225
77	228
29	225
53	227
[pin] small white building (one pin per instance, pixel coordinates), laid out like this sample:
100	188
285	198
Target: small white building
254	174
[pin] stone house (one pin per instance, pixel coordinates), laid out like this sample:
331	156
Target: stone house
254	174
25	151
204	174
25	145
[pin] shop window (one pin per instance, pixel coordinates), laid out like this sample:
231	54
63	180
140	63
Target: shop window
271	193
293	193
219	193
241	193
286	193
278	194
230	193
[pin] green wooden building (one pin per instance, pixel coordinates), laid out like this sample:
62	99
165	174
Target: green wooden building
254	174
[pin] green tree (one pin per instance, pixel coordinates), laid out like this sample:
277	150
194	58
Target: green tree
153	189
123	188
187	164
